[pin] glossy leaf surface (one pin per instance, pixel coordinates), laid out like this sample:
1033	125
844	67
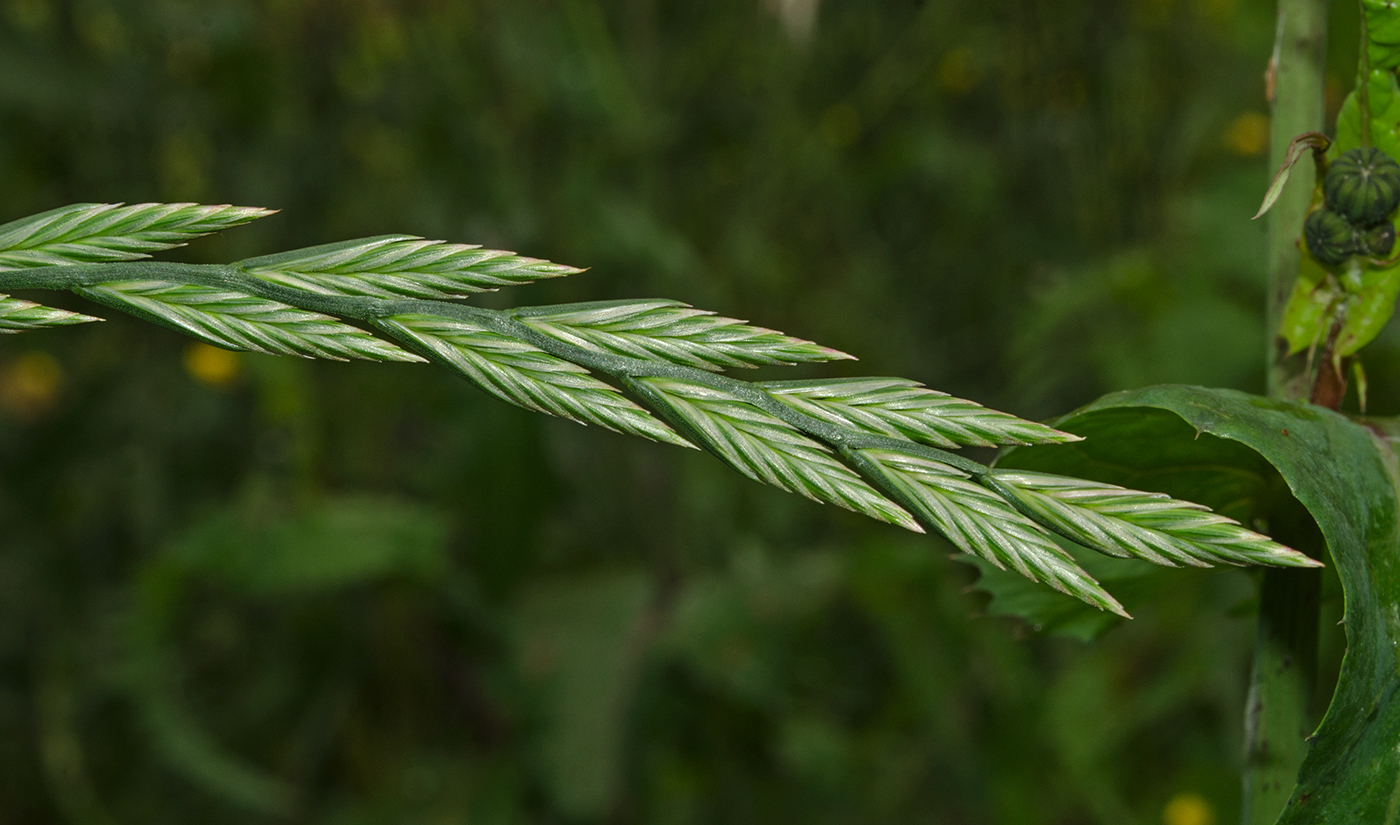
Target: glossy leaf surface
1229	446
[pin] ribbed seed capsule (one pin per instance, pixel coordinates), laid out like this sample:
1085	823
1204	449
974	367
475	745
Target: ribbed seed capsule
1377	241
1329	237
1363	185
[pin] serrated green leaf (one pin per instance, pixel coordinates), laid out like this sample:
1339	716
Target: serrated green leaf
765	448
400	266
1151	526
237	321
671	331
979	522
906	409
17	315
97	232
517	372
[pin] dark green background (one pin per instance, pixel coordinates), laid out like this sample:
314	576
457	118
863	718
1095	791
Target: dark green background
359	593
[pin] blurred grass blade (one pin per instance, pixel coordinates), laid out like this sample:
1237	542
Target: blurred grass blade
906	409
980	523
517	372
400	266
671	331
1151	526
97	232
262	546
17	315
765	448
188	748
243	322
596	626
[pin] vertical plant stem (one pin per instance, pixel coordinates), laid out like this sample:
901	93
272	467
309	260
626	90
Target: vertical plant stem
1279	710
1363	79
1297	78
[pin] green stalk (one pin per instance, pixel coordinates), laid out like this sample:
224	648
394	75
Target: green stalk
374	310
1298	71
1278	712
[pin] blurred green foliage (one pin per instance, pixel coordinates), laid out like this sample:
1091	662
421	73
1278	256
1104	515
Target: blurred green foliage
236	588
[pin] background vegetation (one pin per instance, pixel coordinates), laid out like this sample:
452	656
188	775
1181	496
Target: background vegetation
237	588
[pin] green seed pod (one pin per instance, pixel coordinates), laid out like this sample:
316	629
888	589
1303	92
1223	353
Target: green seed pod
1329	237
1363	185
1377	241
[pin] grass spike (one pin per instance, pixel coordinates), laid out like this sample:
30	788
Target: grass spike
872	445
525	375
1150	526
905	409
18	315
979	522
100	232
765	448
237	321
400	266
674	332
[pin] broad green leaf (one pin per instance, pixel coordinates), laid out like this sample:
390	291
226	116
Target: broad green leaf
17	315
671	331
1369	309
1308	314
238	321
1385	115
906	409
517	372
400	266
1231	479
979	522
96	232
1363	298
1382	34
1217	446
765	448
